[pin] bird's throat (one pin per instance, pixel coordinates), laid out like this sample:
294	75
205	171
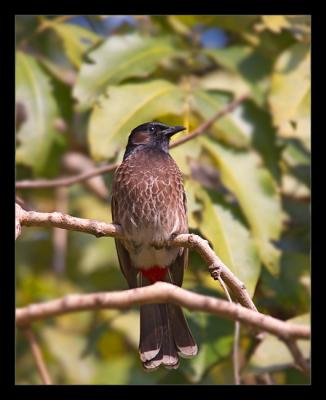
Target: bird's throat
155	273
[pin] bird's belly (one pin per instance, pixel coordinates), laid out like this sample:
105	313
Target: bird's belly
147	247
148	256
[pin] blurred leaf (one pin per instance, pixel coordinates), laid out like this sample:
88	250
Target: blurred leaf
192	204
63	74
98	254
263	135
256	193
67	349
232	23
247	62
272	354
225	81
290	101
128	324
298	25
228	128
113	372
76	41
214	337
39	143
290	291
231	241
125	107
118	58
275	23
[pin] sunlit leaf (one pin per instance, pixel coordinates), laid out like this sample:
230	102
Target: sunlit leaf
118	58
225	81
247	62
232	23
67	348
229	128
290	93
275	23
76	41
214	337
124	107
256	193
272	354
231	241
38	140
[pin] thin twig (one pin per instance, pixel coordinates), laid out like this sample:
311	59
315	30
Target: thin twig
37	355
236	341
298	357
235	350
67	181
160	292
207	124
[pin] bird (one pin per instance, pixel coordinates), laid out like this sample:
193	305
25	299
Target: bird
149	203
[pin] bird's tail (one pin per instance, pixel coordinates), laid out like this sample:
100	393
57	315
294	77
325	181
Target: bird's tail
164	336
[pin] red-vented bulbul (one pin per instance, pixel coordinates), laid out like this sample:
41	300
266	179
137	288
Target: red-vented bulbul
149	202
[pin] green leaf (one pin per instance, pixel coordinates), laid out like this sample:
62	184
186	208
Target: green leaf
256	193
225	81
233	23
126	106
38	140
231	241
290	291
273	355
289	100
67	348
229	128
76	41
119	58
250	64
214	337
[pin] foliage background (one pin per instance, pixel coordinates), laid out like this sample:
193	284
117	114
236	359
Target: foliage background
82	83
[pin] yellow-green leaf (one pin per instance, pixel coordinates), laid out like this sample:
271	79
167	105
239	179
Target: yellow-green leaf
231	241
290	93
272	354
248	63
118	58
229	128
256	193
76	41
126	106
37	137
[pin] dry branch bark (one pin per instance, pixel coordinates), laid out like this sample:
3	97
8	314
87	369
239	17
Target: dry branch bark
97	228
160	292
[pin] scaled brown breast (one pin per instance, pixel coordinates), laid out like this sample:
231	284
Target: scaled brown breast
148	193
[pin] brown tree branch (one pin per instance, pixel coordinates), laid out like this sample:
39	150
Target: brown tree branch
67	181
207	124
298	357
160	292
97	228
37	355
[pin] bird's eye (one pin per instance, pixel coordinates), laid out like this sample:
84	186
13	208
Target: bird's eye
152	129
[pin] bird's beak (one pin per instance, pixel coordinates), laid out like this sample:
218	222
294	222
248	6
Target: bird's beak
173	130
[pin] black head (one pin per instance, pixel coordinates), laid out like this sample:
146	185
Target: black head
151	134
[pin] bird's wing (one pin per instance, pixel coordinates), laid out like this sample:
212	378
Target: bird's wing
177	268
126	267
181	262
